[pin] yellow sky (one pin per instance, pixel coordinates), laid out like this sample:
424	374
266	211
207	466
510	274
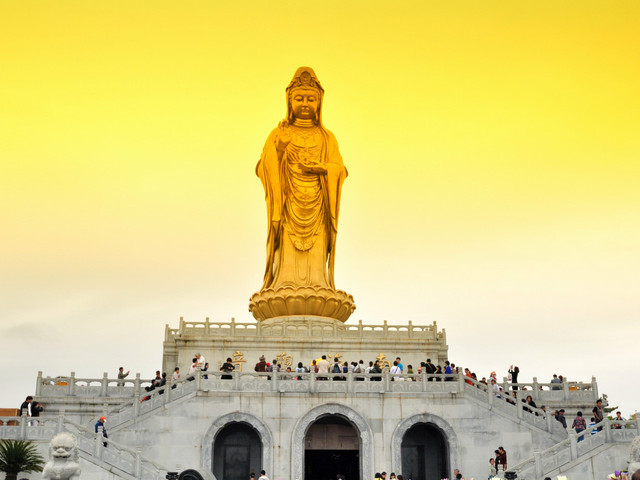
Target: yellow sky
493	153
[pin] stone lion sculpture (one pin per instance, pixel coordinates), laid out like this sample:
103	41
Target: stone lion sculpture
634	455
63	458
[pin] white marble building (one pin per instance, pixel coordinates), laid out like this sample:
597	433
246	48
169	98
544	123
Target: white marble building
297	426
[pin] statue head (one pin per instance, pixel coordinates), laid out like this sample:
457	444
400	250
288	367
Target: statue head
304	96
64	445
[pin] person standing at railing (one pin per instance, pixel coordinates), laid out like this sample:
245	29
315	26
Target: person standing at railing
36	408
559	414
598	414
323	367
228	368
467	373
25	408
579	425
448	371
200	360
493	472
618	421
122	376
377	371
261	366
193	369
100	425
502	458
514	371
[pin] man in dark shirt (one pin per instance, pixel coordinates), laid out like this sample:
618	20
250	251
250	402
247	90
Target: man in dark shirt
560	417
26	406
597	413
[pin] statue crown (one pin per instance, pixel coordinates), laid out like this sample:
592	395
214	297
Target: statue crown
305	77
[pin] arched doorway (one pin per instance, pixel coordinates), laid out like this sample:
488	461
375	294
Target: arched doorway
424	453
332	449
237	452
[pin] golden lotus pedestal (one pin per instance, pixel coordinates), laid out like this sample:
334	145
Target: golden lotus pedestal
301	301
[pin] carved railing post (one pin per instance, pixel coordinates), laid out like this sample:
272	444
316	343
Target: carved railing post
312	382
565	388
537	458
490	395
23	426
138	466
424	380
60	425
505	384
410	329
136	385
199	379
97	446
573	445
547	417
103	386
236	380
39	384
169	389
519	407
461	378
207	326
349	380
72	384
536	390
606	424
136	405
594	389
387	379
274	379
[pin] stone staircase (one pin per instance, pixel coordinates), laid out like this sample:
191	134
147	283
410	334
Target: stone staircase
569	452
120	460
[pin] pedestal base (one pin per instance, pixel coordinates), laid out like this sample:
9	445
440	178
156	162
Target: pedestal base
305	301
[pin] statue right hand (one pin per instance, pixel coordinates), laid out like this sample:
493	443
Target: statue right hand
283	137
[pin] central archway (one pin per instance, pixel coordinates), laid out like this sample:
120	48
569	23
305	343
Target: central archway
356	447
332	450
426	440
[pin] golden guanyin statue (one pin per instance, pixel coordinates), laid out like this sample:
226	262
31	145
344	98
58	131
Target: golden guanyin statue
302	172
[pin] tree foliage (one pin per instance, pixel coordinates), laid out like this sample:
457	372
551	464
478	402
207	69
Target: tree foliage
19	456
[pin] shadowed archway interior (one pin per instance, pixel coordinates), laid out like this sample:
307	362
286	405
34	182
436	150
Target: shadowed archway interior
332	450
237	452
424	453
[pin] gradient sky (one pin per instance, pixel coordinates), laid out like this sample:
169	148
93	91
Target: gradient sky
494	175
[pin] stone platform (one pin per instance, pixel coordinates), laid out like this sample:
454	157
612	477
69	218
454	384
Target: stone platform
296	339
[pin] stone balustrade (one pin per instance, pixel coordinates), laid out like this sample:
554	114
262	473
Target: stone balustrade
567	393
546	462
89	387
454	385
304	328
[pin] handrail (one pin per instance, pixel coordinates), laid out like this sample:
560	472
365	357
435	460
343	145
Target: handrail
128	460
578	444
209	328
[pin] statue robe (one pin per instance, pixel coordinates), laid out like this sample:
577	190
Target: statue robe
302	208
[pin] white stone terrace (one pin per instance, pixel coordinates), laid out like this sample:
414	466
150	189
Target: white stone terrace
126	403
570	393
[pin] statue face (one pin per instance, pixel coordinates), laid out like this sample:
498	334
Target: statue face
304	103
62	446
